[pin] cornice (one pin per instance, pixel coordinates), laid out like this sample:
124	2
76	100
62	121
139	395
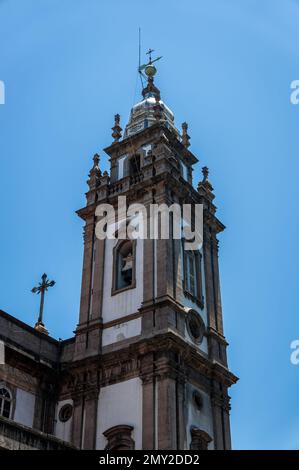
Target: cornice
119	364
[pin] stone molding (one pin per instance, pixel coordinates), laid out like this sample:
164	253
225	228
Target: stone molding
119	438
200	439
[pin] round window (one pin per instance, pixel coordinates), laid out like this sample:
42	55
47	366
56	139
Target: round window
65	412
195	326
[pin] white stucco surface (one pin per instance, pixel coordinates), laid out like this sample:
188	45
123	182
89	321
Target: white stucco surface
203	418
63	429
24	411
121	331
120	403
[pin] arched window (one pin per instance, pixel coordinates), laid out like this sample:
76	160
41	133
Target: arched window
5	402
120	438
124	265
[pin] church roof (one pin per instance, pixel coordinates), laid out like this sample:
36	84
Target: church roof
143	115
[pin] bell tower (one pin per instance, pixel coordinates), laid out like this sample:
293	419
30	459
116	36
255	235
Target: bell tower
149	369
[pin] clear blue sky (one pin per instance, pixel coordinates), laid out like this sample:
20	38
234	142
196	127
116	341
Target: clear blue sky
68	67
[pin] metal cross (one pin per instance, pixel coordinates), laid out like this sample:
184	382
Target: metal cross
40	289
149	53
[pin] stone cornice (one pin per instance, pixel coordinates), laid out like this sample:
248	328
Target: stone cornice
98	323
124	363
215	334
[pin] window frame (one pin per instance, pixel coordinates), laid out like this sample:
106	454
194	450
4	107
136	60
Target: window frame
195	317
61	414
10	400
197	296
114	289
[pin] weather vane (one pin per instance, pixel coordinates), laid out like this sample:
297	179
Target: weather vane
149	53
41	289
149	69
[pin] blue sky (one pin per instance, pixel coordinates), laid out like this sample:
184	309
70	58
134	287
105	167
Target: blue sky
68	67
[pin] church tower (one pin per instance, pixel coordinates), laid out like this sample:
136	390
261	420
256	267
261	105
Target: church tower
149	369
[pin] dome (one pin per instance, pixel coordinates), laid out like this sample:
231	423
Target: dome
143	115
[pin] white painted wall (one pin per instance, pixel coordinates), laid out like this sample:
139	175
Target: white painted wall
63	430
121	331
202	419
24	410
126	302
120	403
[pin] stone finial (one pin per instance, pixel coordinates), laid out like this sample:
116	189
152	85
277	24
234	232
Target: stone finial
205	183
116	134
185	136
96	160
94	173
205	172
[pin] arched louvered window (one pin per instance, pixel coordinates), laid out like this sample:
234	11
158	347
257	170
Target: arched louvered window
193	277
124	261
